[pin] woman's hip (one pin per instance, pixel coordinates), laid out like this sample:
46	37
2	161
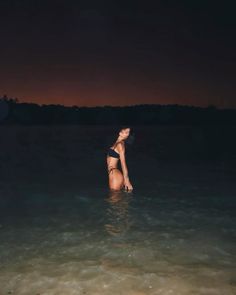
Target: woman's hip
115	173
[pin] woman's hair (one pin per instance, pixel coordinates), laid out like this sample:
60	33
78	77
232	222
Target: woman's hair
130	139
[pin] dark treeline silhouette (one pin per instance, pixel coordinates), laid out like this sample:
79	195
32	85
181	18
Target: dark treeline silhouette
13	112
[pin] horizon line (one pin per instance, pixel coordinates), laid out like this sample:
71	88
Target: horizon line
18	101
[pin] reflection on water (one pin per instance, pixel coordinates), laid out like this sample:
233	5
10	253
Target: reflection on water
118	243
118	216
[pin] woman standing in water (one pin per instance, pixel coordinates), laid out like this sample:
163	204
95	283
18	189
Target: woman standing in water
117	180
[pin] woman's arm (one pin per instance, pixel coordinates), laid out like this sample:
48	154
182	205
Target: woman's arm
121	149
127	184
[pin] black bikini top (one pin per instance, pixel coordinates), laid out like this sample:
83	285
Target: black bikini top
113	153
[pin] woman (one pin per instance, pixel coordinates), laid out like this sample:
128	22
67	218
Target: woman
117	180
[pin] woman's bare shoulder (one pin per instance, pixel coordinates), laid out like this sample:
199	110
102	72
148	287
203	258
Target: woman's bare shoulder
120	146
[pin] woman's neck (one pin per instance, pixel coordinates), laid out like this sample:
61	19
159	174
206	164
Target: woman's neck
119	139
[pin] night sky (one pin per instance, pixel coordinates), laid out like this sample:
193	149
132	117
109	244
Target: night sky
90	53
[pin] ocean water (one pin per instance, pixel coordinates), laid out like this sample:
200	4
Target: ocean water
174	234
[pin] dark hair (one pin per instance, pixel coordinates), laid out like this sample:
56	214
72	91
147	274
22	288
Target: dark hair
112	138
130	139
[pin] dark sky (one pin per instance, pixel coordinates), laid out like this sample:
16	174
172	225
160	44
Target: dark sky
118	52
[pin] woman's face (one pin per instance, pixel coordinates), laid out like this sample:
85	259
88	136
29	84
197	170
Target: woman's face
124	133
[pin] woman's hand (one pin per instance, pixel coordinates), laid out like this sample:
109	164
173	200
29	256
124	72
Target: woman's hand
128	186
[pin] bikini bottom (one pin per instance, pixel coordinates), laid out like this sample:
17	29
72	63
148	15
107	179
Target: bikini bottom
112	169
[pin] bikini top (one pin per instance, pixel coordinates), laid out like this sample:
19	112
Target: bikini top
113	153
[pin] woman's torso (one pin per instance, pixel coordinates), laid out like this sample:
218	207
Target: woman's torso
112	156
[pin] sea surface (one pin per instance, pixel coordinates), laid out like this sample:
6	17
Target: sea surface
62	232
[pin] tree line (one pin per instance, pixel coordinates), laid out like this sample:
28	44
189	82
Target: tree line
14	112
